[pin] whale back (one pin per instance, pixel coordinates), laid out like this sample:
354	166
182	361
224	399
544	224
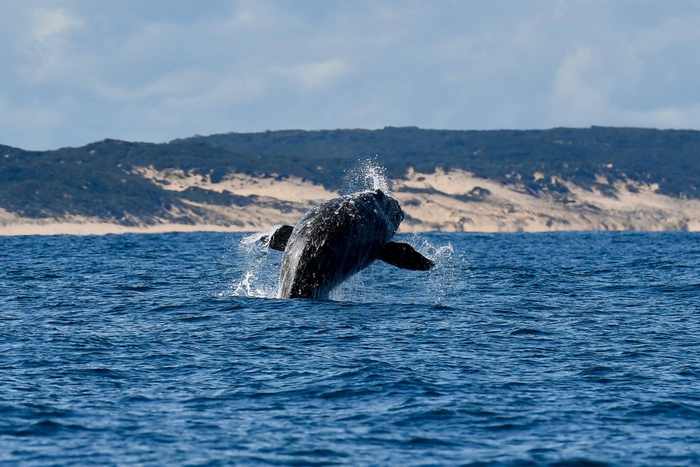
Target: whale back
335	240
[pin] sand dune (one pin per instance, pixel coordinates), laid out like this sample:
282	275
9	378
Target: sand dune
459	201
282	188
452	201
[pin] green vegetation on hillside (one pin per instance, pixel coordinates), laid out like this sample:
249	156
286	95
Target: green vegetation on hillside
97	179
668	157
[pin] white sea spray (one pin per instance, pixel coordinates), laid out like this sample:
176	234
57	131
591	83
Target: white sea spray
258	268
367	174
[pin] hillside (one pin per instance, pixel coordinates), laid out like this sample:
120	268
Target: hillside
535	180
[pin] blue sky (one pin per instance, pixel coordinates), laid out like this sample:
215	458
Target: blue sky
77	71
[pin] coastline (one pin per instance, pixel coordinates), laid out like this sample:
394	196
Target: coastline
45	230
453	201
101	228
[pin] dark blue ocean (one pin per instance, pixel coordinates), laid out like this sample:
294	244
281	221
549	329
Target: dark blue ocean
517	349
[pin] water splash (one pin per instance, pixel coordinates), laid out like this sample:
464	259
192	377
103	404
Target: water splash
257	267
368	174
438	284
442	278
356	288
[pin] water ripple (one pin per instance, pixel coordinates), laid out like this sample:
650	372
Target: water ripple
554	349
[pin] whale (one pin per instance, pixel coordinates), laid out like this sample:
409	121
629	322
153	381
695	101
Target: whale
339	238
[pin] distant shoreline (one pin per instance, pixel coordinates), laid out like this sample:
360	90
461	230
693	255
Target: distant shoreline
57	228
100	229
441	201
597	179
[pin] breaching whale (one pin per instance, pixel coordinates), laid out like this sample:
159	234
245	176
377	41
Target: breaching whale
339	238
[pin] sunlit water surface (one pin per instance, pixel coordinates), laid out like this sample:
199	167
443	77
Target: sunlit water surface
539	349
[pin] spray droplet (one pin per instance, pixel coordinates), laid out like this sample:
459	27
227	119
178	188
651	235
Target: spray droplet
367	175
259	273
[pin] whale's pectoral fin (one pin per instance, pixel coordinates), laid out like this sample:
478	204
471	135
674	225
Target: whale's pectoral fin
402	255
279	238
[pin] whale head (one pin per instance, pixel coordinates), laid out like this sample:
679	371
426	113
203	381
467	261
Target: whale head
389	206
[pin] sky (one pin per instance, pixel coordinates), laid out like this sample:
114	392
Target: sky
78	71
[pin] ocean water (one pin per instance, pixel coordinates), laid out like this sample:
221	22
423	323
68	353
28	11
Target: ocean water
517	349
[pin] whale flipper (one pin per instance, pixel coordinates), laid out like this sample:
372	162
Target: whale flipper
402	255
278	240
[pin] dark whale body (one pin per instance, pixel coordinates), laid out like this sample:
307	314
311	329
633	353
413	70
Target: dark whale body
339	238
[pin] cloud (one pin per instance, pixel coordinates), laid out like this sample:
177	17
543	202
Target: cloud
581	87
45	45
155	71
319	74
227	90
181	83
258	15
632	78
50	22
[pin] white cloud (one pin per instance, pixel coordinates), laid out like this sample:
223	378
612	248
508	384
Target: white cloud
43	46
50	22
581	87
181	83
627	78
150	70
317	75
258	15
228	90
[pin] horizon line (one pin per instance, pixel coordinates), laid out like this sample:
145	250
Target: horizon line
320	130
